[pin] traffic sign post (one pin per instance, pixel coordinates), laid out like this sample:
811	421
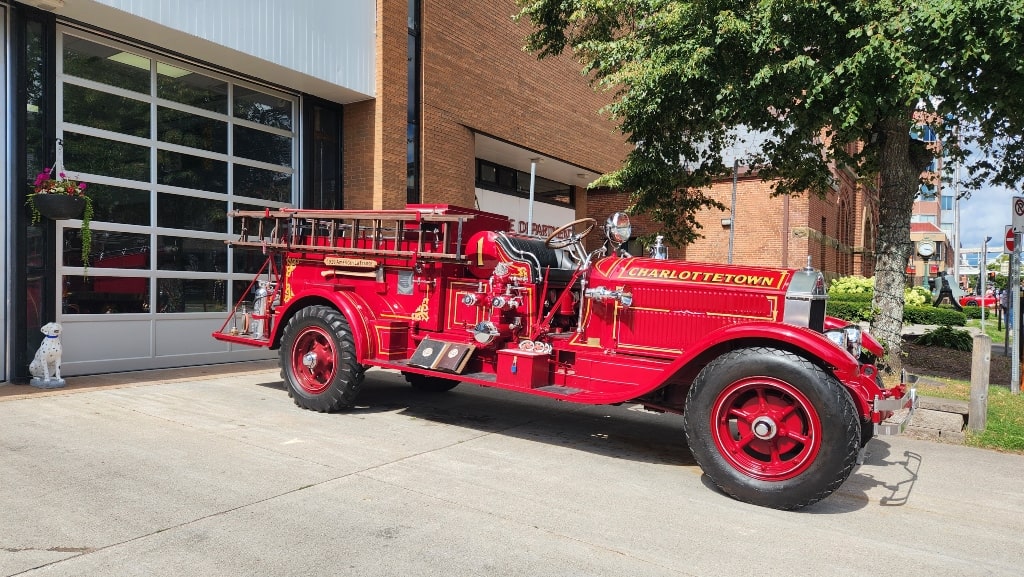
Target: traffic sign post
1017	210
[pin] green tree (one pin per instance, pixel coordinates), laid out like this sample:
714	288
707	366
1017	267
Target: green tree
843	82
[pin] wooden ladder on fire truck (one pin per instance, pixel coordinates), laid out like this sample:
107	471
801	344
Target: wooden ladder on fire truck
416	235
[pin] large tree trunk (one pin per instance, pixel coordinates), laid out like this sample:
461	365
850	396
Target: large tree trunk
899	170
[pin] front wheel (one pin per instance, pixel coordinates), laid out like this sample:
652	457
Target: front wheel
318	360
771	428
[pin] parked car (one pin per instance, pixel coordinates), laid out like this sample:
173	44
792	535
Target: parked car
978	300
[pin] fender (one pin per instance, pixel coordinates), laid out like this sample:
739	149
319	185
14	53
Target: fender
356	310
815	344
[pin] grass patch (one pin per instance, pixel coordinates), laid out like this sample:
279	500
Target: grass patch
993	328
1004	428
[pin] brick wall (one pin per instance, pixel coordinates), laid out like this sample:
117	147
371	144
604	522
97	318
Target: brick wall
476	77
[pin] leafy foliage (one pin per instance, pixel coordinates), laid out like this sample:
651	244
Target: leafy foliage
947	337
929	315
857	288
799	86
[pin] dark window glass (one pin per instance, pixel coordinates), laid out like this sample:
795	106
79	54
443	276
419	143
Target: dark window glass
236	225
191	254
177	127
325	188
191	213
191	88
262	146
118	204
413	85
107	157
176	295
99	294
112	66
109	249
263	184
106	111
414	17
487	173
263	108
187	171
506	178
38	249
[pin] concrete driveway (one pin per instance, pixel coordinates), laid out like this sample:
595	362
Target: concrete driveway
219	474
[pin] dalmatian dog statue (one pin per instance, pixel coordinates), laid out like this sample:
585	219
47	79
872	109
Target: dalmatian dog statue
45	367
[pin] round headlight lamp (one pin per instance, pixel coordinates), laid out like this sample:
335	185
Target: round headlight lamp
618	228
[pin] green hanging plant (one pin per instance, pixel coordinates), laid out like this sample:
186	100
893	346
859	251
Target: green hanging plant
57	197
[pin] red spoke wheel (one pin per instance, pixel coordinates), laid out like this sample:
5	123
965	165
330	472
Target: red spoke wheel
771	428
318	360
766	428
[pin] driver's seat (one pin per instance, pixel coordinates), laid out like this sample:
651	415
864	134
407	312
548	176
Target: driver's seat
540	257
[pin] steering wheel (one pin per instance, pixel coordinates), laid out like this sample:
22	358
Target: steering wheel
575	238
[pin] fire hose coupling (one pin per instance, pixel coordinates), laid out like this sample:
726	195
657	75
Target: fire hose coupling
505	302
473	299
601	294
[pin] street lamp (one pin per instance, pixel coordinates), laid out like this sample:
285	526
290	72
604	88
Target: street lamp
926	248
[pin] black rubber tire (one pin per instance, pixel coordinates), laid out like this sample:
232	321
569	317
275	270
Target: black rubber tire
323	335
824	399
867	432
430	383
971	303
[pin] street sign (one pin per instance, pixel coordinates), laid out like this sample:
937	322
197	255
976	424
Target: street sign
1008	240
1017	205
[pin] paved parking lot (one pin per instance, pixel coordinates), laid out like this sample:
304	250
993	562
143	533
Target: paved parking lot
217	473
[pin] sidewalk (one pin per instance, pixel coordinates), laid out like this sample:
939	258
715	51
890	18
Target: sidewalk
77	384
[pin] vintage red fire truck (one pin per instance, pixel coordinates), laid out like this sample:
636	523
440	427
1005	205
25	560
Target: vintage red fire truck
777	398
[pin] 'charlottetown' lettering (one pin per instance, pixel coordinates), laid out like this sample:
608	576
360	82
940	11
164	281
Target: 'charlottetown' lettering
701	276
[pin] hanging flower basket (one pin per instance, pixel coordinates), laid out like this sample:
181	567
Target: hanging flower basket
58	197
58	206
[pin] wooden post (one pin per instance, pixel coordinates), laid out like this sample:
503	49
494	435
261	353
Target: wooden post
980	365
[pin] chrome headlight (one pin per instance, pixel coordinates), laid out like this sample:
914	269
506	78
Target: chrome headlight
848	338
618	228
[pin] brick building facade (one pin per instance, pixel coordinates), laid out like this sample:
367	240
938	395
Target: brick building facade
837	232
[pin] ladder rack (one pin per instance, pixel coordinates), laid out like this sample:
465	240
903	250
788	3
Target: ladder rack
405	234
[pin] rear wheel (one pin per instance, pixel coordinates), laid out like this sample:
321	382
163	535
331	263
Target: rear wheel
318	360
771	428
429	383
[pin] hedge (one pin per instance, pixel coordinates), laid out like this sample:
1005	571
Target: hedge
860	310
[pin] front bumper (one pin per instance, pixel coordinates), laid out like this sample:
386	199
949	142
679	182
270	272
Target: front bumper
896	423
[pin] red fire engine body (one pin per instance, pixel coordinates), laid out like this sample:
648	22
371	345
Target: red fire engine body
777	399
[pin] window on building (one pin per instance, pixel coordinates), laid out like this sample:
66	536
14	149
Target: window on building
492	176
167	149
946	202
412	142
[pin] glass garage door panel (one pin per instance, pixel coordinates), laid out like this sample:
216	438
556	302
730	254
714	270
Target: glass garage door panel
168	149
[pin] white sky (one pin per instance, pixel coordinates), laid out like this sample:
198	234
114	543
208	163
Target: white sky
985	213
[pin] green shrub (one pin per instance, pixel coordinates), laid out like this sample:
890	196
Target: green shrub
917	296
853	311
947	337
929	315
851	297
852	285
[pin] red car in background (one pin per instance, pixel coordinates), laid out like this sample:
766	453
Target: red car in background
978	300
